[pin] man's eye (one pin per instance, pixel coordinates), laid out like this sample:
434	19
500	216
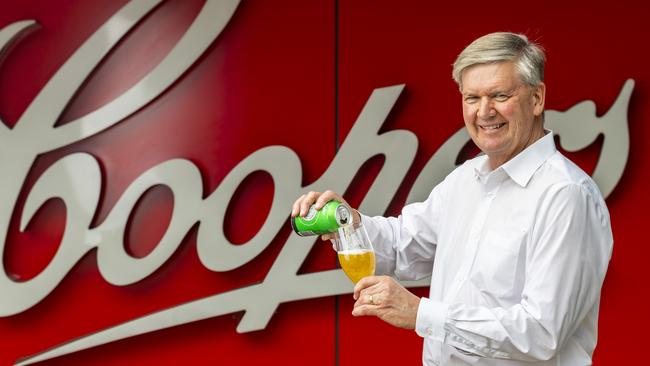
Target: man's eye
470	100
501	97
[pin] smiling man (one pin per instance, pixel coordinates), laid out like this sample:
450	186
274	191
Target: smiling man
517	241
502	114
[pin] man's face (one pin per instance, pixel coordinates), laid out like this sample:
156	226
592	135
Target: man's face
499	110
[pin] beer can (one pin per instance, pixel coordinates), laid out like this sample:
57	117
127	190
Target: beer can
326	220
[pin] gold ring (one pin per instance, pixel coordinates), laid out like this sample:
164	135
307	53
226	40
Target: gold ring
371	300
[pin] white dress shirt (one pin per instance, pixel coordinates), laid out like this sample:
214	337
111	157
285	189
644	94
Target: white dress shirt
517	257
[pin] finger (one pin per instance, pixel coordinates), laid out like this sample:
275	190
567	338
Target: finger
364	283
364	299
371	290
339	198
295	209
368	299
309	200
365	310
326	237
326	197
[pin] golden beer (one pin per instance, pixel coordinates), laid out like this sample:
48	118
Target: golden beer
357	263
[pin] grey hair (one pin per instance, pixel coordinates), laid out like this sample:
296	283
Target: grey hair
503	46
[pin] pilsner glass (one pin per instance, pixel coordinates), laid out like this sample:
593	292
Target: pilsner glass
356	256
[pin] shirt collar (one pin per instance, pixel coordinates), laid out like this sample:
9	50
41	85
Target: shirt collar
482	167
521	167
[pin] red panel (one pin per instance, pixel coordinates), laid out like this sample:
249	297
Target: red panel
270	69
592	49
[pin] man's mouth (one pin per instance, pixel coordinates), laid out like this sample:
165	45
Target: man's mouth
493	127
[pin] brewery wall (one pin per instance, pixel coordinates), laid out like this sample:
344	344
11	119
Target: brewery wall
136	189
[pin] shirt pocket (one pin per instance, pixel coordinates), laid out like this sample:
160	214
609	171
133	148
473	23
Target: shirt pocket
499	268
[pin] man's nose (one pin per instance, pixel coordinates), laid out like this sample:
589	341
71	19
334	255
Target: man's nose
485	109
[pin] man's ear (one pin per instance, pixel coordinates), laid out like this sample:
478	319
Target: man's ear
539	97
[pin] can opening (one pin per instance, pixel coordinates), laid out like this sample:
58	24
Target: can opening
343	215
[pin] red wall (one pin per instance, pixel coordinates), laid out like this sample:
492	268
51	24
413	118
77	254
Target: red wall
278	75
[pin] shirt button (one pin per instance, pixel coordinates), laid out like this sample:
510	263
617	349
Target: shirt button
429	331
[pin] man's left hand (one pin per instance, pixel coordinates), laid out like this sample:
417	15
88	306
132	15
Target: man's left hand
385	298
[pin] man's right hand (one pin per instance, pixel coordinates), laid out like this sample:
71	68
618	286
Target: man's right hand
302	204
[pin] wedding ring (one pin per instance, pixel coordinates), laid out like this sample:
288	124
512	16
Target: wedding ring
371	300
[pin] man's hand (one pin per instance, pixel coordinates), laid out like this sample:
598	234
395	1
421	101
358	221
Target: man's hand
302	204
385	298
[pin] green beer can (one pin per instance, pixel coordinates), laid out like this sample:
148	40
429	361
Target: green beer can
326	220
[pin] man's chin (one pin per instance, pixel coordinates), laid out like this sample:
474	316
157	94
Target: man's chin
491	147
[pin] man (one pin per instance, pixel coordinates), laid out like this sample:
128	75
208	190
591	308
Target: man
516	241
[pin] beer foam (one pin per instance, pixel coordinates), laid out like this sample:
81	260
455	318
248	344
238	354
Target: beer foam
355	251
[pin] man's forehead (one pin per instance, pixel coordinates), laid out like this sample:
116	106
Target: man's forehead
490	76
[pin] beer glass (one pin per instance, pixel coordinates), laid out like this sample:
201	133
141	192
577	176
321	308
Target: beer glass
356	256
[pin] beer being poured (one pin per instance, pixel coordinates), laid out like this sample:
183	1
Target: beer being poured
357	263
355	253
356	256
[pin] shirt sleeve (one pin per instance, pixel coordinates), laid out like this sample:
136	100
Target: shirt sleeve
405	246
566	262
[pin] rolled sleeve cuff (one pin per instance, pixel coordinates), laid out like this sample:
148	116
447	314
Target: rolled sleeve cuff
430	320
